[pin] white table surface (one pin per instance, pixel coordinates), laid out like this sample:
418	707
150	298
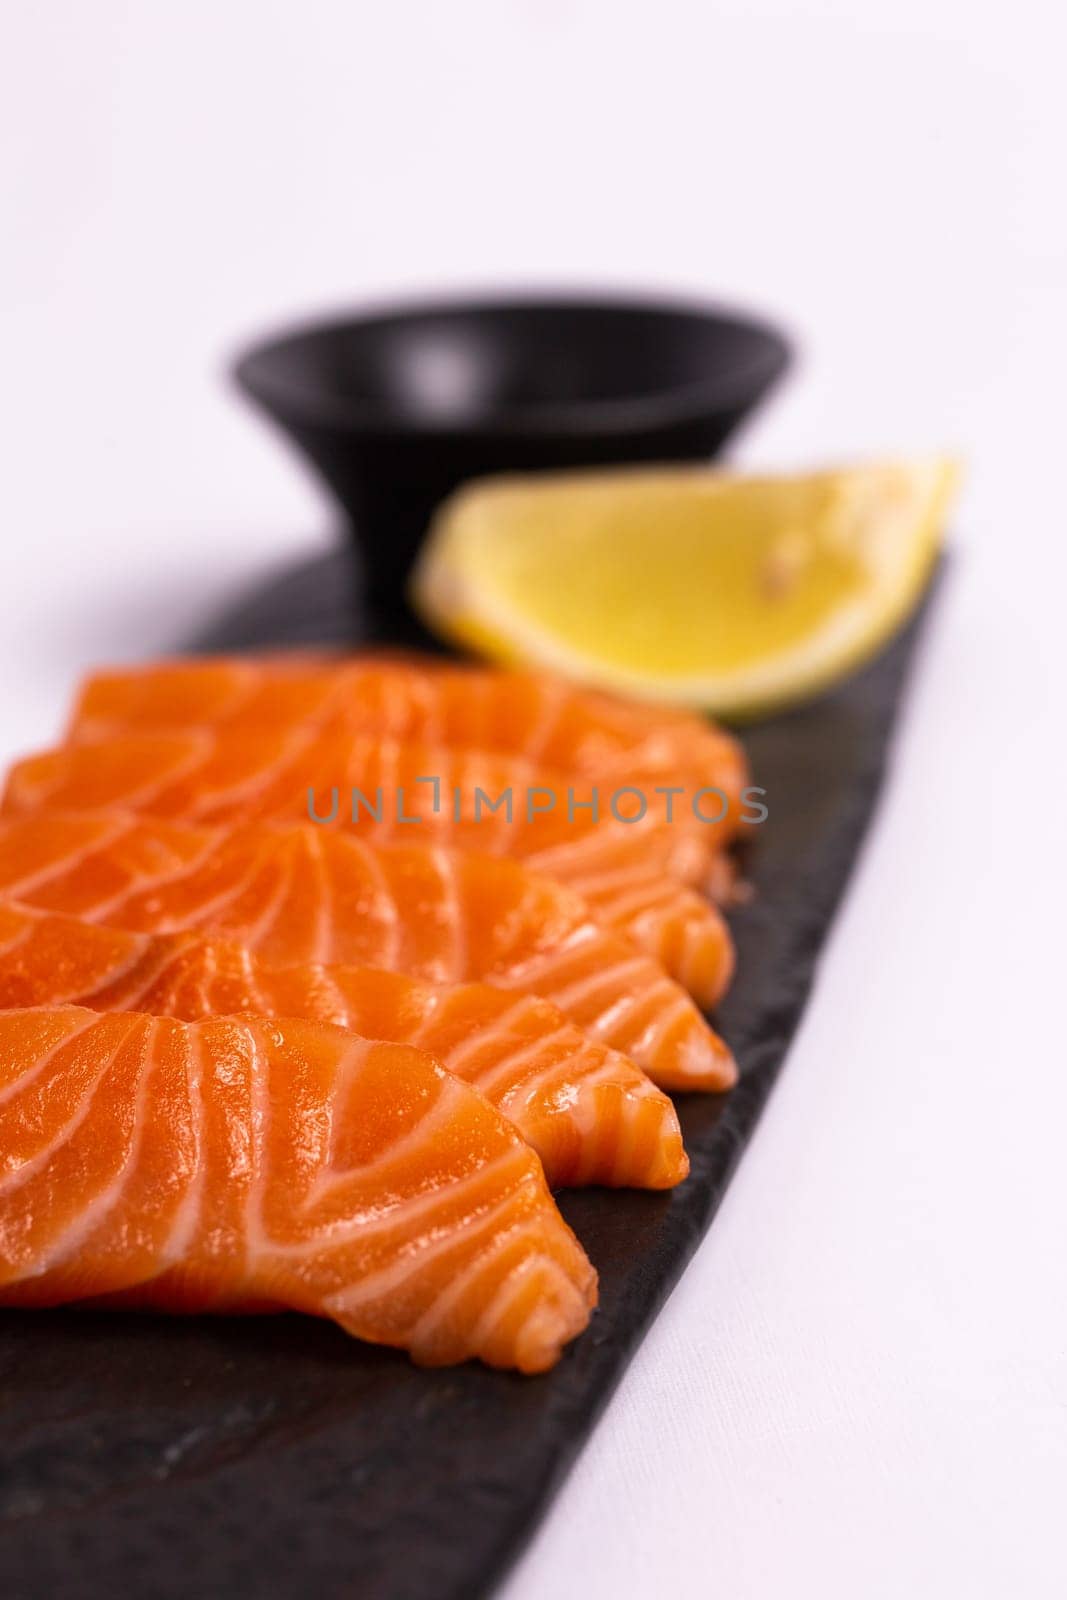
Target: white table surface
860	1387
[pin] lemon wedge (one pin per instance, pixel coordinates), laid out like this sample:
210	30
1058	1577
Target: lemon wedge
731	593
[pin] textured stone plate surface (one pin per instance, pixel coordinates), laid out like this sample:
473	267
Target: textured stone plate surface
275	1458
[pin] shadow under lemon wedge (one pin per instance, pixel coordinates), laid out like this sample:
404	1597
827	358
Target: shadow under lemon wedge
730	593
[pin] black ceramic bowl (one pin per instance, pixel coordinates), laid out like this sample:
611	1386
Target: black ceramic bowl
396	408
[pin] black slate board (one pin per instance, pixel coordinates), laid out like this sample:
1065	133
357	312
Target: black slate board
276	1458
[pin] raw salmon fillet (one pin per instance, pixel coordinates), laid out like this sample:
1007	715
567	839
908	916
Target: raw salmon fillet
589	1113
542	718
239	1165
303	893
385	790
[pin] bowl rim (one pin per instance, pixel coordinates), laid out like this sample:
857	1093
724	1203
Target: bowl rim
295	403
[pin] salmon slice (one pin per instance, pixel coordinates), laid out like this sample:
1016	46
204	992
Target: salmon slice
590	1114
545	719
639	897
303	894
382	789
238	1165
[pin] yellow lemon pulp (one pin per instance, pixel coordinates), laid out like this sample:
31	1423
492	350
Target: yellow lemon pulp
732	593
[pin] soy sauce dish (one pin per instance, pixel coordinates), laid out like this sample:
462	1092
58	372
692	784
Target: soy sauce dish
395	408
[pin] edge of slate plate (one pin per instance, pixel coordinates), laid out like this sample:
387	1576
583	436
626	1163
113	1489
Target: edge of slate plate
274	1457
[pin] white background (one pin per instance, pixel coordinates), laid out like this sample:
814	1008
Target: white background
859	1389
